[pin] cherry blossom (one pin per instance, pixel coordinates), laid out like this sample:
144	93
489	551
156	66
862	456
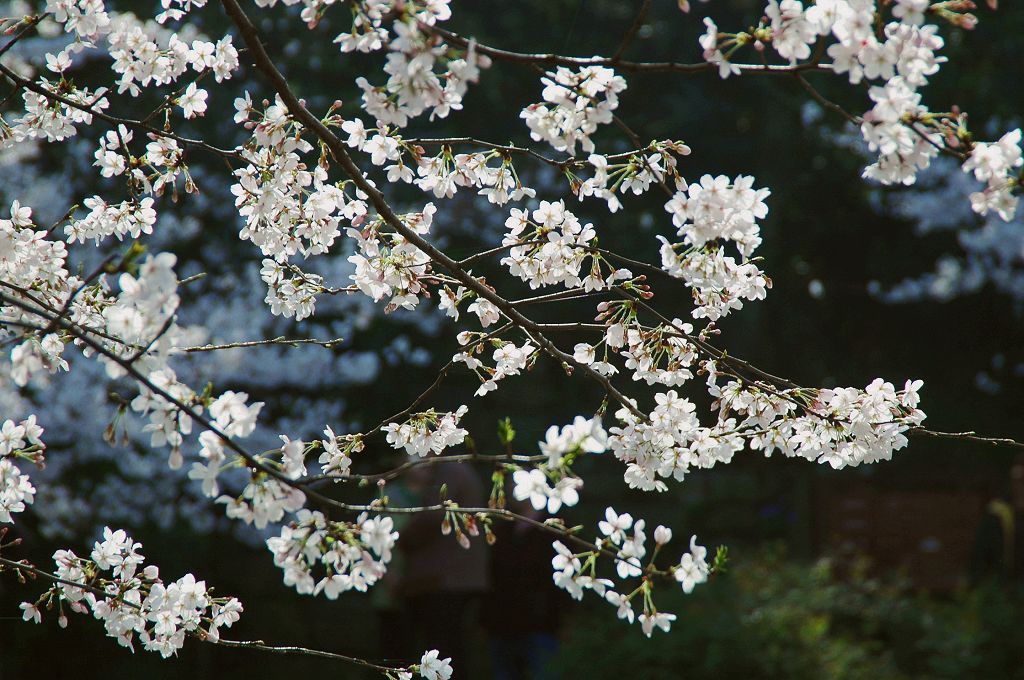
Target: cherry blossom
576	103
133	603
428	432
434	668
330	203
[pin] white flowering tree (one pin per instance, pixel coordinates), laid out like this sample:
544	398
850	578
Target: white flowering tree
311	185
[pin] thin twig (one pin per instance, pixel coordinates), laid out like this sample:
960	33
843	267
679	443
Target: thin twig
638	21
827	103
294	342
650	67
396	472
441	375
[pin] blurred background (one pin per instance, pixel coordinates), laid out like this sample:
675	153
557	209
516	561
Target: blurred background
897	570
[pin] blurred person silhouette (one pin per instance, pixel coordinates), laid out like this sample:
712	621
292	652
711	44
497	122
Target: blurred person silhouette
999	544
442	580
522	613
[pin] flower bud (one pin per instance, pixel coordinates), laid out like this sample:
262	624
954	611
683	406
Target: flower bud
662	535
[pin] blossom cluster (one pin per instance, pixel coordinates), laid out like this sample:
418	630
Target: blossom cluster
899	57
337	456
16	490
85	19
998	165
709	214
288	208
413	87
127	218
134	602
626	540
388	266
551	484
556	247
581	436
532	485
263	500
146	54
353	556
233	415
30	261
660	355
42	120
509	359
575	104
152	172
291	292
841	427
632	172
889	128
146	302
441	174
427	432
669	442
432	667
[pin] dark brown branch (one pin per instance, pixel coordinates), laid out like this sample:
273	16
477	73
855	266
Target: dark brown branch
22	33
289	650
638	21
965	436
508	149
571	294
441	375
827	103
396	472
293	342
637	66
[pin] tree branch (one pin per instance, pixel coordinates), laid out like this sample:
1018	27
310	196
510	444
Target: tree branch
638	21
636	66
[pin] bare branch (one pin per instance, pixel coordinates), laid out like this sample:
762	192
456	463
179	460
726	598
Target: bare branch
293	342
638	66
638	21
396	472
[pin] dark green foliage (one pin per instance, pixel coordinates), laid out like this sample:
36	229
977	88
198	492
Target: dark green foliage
775	618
